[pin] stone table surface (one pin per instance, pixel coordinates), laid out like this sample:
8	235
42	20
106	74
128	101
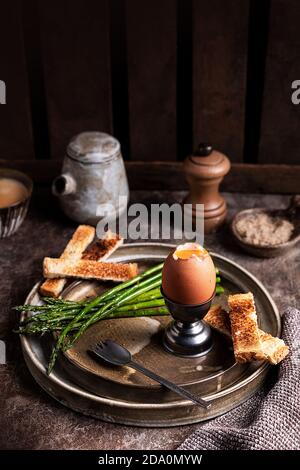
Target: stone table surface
29	418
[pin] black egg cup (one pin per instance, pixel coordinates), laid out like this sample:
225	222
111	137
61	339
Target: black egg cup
188	335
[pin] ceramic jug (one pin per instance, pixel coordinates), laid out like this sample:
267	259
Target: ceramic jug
93	181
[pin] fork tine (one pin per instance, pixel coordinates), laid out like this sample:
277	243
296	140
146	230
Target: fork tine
99	347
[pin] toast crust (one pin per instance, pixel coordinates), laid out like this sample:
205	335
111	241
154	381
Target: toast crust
85	269
103	248
53	287
218	319
244	327
98	251
81	239
274	349
271	349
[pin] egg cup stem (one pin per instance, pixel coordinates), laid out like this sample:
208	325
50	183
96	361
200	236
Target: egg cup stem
187	335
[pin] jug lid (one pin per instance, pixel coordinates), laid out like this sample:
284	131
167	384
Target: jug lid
93	147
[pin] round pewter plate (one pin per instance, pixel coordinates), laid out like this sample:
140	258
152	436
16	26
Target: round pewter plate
122	396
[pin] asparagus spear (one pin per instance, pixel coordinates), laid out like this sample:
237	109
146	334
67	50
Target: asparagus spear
138	297
61	310
58	325
111	307
110	296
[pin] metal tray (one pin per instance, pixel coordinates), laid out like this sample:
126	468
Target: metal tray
122	396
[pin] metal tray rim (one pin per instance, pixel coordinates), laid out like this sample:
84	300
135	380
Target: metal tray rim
25	342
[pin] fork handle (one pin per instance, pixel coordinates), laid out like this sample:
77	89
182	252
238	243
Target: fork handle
170	385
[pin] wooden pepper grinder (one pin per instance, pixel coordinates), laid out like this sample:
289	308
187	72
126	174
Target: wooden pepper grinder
204	171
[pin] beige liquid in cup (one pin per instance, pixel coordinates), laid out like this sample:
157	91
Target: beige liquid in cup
11	192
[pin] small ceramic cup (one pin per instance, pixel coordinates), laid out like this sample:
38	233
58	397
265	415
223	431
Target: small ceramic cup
12	217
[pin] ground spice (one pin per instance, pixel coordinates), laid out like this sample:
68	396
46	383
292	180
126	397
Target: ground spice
263	229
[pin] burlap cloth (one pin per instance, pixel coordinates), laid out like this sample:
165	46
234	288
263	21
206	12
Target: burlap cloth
271	418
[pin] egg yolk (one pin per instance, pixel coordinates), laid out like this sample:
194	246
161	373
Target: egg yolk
186	252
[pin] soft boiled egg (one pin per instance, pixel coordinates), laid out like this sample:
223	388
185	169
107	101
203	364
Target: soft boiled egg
189	275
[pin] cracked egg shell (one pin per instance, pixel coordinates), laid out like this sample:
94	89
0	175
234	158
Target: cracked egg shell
189	281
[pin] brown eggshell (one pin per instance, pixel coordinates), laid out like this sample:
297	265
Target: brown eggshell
189	281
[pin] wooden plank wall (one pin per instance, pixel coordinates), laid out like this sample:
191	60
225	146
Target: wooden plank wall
76	60
151	49
280	123
219	78
161	75
16	140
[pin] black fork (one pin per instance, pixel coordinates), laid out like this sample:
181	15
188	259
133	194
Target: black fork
116	354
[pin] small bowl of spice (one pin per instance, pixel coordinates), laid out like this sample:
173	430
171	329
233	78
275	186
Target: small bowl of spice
15	194
268	233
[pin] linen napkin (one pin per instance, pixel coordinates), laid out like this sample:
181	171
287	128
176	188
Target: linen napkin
269	420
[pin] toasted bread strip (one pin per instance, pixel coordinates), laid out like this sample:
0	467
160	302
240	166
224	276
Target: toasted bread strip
218	319
81	238
53	287
272	349
100	250
86	269
103	248
244	327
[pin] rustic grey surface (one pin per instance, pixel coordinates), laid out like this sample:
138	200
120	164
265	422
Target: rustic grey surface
29	418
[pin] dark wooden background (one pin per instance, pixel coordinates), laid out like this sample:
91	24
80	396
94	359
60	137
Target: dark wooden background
160	75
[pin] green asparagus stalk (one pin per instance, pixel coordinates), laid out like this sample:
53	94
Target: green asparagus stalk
114	306
112	299
111	293
140	296
57	325
149	295
57	306
69	309
69	313
68	328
